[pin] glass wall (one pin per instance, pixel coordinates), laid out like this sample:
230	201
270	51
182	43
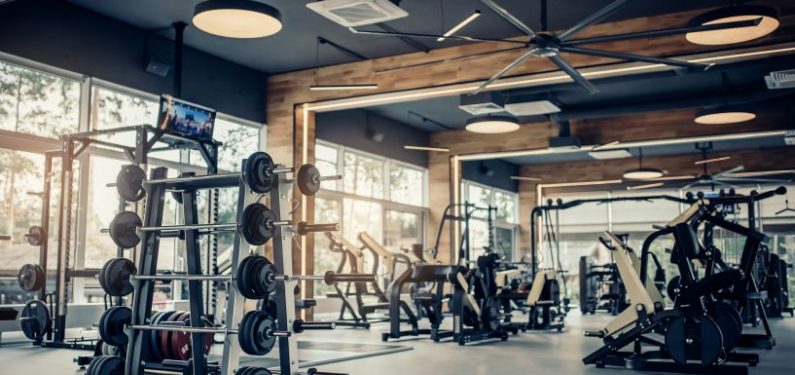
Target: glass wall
37	104
505	220
385	198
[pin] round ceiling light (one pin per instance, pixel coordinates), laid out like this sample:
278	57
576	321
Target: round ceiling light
492	124
243	19
768	24
722	116
643	174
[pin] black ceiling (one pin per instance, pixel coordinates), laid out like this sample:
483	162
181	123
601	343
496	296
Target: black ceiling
294	48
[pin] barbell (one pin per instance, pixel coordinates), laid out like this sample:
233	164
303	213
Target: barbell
256	332
259	174
257	225
256	277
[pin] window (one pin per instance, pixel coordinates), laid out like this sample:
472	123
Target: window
239	141
383	197
505	219
326	163
37	103
406	184
363	175
402	229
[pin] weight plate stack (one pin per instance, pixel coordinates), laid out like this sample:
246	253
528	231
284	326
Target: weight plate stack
31	277
247	370
256	224
694	338
255	334
308	179
106	365
35	320
130	183
112	324
258	172
114	277
123	228
36	235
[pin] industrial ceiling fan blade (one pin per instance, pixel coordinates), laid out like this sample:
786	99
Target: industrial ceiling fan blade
434	36
646	186
693	184
750	180
594	18
713	160
663	32
504	71
633	57
519	25
736	169
574	74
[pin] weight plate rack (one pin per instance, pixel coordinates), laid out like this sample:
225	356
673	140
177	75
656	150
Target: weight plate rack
256	224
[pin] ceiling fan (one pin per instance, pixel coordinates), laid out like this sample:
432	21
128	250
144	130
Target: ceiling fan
550	45
726	178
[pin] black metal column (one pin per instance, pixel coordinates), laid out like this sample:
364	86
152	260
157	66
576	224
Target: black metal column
194	267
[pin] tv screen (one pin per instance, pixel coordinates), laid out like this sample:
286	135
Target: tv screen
186	119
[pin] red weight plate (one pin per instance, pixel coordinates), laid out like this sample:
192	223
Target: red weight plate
165	336
180	341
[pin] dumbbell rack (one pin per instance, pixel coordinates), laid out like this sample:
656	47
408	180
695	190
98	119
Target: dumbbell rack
144	282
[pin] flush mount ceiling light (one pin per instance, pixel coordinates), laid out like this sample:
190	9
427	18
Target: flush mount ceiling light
492	125
641	173
242	19
766	17
722	116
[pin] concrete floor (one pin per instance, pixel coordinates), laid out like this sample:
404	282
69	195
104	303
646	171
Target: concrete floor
531	352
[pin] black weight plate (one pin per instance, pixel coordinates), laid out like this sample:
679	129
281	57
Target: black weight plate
110	365
260	268
263	327
730	323
116	276
36	235
694	338
267	277
130	183
101	277
245	334
258	172
92	366
123	229
243	284
308	179
154	338
256	224
112	324
260	371
30	277
34	319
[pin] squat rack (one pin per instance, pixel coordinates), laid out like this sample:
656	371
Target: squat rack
72	146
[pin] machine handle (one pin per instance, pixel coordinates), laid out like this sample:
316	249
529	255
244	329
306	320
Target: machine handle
331	277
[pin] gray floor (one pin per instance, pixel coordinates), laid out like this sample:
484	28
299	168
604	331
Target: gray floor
541	353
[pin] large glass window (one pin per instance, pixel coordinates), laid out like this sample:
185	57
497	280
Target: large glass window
382	197
37	103
363	175
503	234
406	184
239	141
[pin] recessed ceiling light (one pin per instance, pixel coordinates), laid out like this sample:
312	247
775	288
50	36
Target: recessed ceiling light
769	23
718	116
646	186
643	174
492	125
243	19
526	178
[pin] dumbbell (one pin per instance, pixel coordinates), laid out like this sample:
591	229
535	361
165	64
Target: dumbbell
257	277
258	225
259	173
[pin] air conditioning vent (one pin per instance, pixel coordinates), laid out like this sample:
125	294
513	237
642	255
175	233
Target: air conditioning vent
610	154
351	13
538	107
482	104
783	79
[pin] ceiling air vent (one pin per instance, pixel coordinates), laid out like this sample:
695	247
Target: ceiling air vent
351	13
482	104
783	79
538	107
